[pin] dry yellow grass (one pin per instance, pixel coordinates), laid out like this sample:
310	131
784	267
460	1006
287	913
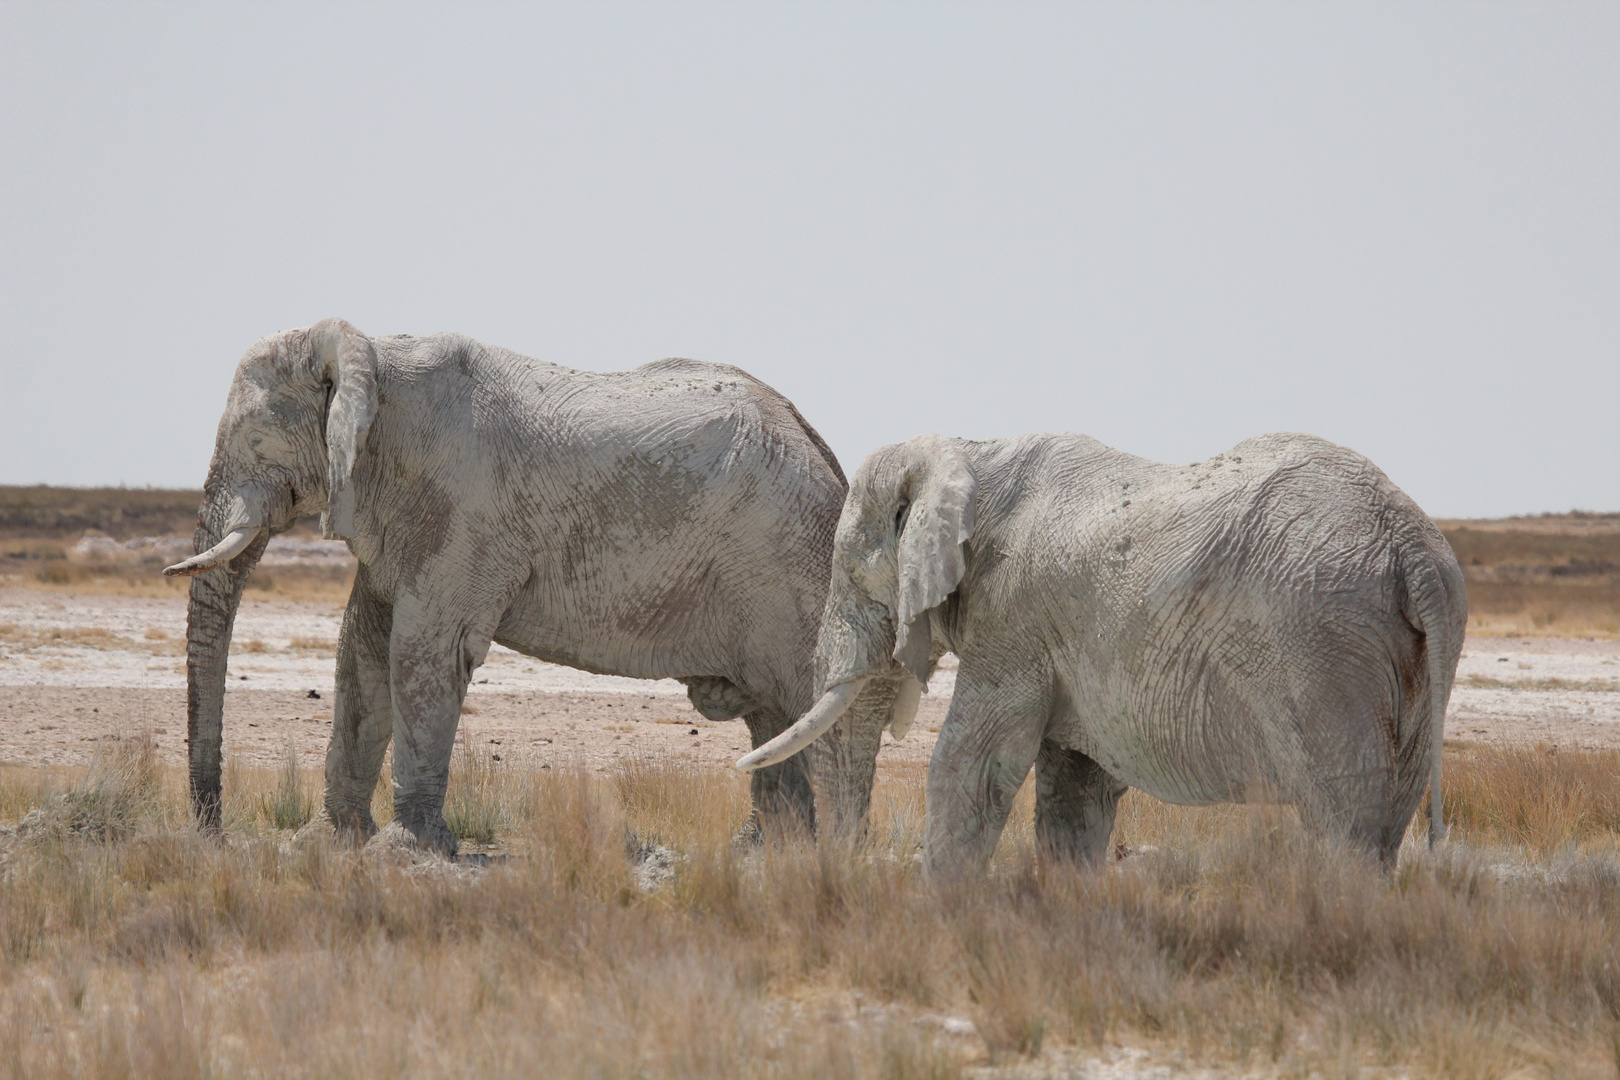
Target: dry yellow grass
312	585
1589	686
132	947
1543	609
41	513
1542	801
94	637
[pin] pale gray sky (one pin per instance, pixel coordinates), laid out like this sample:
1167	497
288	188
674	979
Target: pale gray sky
1170	226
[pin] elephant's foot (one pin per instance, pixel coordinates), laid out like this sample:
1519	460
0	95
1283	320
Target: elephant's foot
780	825
323	829
397	844
426	833
774	823
316	831
394	844
353	824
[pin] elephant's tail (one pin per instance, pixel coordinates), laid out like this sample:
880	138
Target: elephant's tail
1429	596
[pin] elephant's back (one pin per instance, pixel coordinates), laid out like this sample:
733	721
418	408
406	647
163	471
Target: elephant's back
699	459
674	416
1292	536
758	415
604	475
1259	611
1263	513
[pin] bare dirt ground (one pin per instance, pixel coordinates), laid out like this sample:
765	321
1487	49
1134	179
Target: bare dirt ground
92	644
75	669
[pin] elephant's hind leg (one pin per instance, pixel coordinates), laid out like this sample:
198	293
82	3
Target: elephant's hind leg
1377	823
782	796
1365	787
362	714
1075	802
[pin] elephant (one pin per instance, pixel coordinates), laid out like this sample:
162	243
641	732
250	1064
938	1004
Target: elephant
675	520
1280	623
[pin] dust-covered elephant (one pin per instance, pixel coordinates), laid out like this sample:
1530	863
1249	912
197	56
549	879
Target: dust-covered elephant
671	521
1277	624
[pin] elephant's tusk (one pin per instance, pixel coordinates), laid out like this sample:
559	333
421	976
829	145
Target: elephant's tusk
823	715
904	710
224	551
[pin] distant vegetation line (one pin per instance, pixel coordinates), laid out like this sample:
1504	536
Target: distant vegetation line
43	512
62	513
46	512
1547	574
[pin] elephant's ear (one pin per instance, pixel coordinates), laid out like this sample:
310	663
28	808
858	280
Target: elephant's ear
345	359
937	522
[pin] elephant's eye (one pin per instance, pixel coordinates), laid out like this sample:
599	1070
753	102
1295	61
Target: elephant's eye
900	517
263	444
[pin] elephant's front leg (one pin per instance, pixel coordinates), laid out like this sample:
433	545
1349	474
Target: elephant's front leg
431	661
986	747
362	714
782	798
1075	802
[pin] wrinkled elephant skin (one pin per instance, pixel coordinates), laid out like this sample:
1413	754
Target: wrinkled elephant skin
673	521
1277	624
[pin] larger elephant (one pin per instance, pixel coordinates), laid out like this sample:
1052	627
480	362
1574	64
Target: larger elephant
671	521
1279	623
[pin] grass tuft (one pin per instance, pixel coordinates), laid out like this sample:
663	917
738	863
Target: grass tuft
1541	799
474	804
291	803
119	790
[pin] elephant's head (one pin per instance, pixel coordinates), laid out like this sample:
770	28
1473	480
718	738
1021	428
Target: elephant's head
898	555
294	424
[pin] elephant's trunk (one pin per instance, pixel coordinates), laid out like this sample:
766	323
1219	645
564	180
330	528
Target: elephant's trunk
856	637
853	649
210	616
857	642
844	760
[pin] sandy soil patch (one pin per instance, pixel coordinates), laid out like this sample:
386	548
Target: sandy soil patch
1561	691
75	669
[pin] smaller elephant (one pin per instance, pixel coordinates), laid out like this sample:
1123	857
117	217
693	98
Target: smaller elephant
1279	623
